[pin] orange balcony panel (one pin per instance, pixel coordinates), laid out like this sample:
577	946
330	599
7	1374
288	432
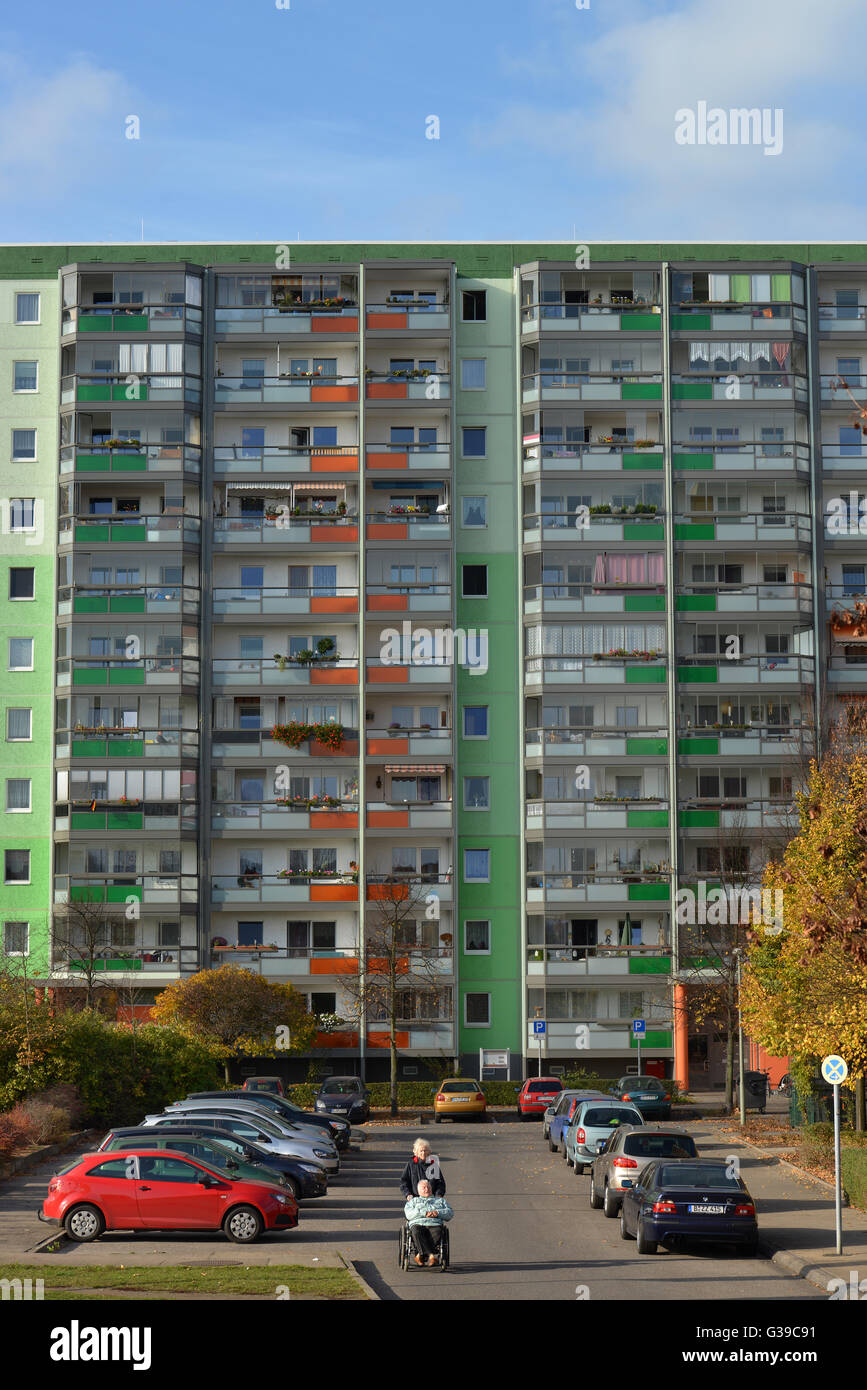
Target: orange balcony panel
334	965
388	820
401	1040
387	321
388	675
386	391
334	463
384	746
334	820
336	603
333	533
387	892
334	892
336	1040
378	965
389	603
395	460
323	323
134	1013
347	749
383	531
339	676
333	393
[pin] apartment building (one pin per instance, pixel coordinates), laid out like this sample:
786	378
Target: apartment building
504	583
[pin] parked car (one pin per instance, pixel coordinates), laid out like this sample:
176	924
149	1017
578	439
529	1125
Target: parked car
273	1084
148	1191
254	1105
536	1095
592	1121
646	1093
459	1096
332	1125
346	1096
694	1198
304	1180
261	1131
626	1155
562	1113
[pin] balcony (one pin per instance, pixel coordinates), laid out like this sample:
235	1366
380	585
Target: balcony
737	387
123	528
399	315
126	743
240	460
158	599
317	528
287	815
247	889
554	458
409	598
844	458
590	318
403	815
151	890
429	458
421	386
245	743
395	742
793	600
434	671
558	388
849	670
748	813
602	528
599	813
785	457
404	525
398	888
570	742
743	741
746	670
148	458
168	818
776	528
413	1035
640	886
549	672
594	598
557	961
125	388
761	317
334	318
338	671
126	318
171	672
144	961
283	602
277	962
305	388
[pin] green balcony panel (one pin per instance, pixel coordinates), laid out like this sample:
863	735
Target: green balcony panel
639	461
93	323
90	603
88	747
126	748
698	747
646	820
701	463
128	603
695	531
87	820
644	603
96	391
87	893
643	531
92	534
648	675
646	747
702	962
129	535
130	323
697	675
704	820
649	965
118	893
696	603
93	676
648	892
129	463
92	463
118	393
659	1038
685	323
641	391
119	676
692	391
641	323
125	820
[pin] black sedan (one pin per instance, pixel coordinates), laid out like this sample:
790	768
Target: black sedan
689	1198
337	1128
346	1096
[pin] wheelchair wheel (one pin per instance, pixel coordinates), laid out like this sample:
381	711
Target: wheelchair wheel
401	1248
444	1250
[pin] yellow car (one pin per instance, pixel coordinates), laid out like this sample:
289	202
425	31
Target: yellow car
459	1097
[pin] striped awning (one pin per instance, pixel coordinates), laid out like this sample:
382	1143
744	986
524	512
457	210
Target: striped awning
415	767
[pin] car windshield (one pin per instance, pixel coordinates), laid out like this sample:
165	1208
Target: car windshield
602	1116
459	1086
341	1088
640	1083
695	1175
251	1121
659	1146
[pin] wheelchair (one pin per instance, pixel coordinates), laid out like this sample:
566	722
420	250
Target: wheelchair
406	1248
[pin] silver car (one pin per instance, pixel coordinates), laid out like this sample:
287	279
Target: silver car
260	1130
250	1107
626	1155
592	1121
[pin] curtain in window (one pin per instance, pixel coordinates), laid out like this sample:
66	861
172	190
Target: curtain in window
166	357
741	288
324	581
17	794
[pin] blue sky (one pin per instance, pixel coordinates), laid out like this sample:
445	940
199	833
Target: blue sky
259	123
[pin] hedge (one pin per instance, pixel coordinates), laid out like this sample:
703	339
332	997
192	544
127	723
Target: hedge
410	1094
817	1145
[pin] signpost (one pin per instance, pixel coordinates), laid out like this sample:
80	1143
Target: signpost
835	1070
639	1030
539	1030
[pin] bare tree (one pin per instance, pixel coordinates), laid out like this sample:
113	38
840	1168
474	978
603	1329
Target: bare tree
80	944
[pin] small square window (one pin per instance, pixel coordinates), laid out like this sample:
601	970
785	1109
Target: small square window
475	721
477	937
477	793
22	513
16	938
477	866
473	373
20	654
21	582
477	1010
474	306
473	441
19	723
25	376
17	793
474	511
23	446
16	866
27	308
474	581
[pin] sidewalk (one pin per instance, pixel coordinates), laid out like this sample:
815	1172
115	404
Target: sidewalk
796	1212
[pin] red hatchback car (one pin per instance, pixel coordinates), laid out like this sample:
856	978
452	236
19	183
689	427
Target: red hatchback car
535	1096
153	1190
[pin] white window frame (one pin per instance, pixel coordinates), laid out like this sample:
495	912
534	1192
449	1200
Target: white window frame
486	922
25	390
476	738
11	597
20	810
475	497
29	738
478	849
475	565
484	362
481	777
18	882
474	457
20	294
486	995
20	530
24	458
17	923
474	289
32	641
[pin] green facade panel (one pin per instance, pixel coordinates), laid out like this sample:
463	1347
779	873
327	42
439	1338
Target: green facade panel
646	747
648	892
643	462
697	675
653	1038
649	965
646	820
644	603
698	747
696	603
702	819
695	531
651	675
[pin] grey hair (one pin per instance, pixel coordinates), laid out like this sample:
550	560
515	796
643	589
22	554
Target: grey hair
420	1143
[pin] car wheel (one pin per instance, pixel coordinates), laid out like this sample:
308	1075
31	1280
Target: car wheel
643	1245
84	1223
294	1187
567	1158
624	1234
437	1119
595	1199
748	1251
243	1225
610	1203
578	1169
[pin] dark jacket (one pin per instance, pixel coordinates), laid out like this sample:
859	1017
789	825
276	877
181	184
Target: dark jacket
414	1173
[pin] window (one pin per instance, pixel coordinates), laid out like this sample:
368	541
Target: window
474	511
250	933
18	725
853	580
16	938
22	512
20	654
27	308
25	376
16	866
473	443
475	581
21	582
17	793
475	721
23	446
473	373
474	306
477	793
477	936
850	441
323	1004
477	1010
477	866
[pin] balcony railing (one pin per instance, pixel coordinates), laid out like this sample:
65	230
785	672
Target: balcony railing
258	742
759	317
162	817
294	318
172	671
775	527
406	743
151	890
783	669
279	888
779	457
595	598
628	885
592	386
321	599
409	815
131	318
297	389
285	815
848	318
416	386
435	457
318	528
598	812
618	959
160	599
282	459
739	386
150	959
602	670
750	598
149	458
631	318
630	525
100	742
570	738
554	457
264	671
130	387
128	528
409	598
734	813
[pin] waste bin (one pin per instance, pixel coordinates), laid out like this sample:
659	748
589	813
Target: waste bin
755	1091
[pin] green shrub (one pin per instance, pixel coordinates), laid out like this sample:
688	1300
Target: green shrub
853	1165
587	1081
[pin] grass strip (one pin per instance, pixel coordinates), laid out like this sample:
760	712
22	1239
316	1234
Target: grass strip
261	1279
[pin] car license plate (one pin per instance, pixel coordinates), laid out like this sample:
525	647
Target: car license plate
461	1100
340	1109
706	1209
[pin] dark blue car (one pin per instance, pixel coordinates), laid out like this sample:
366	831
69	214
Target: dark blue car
688	1198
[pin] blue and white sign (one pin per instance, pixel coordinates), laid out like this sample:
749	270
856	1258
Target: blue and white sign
834	1069
639	1027
539	1026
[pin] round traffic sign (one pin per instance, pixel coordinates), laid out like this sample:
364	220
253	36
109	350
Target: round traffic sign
834	1069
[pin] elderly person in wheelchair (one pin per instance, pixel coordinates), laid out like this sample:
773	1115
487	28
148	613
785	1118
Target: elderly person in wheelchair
427	1216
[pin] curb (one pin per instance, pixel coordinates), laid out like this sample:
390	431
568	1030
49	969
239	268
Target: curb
797	1265
351	1269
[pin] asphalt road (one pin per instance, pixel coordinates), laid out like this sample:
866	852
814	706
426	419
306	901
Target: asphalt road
523	1229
